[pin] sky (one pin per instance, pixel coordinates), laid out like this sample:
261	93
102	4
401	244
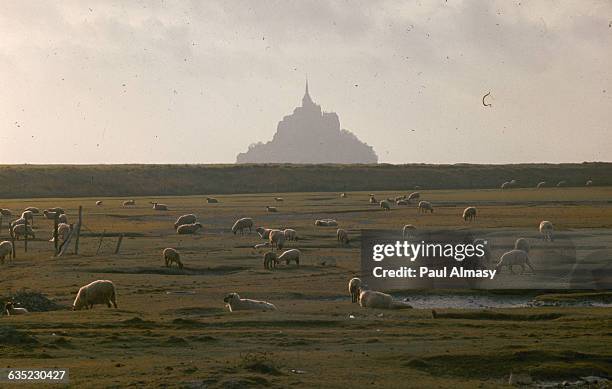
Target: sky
198	81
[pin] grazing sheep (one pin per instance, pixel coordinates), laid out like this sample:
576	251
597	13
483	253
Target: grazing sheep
129	203
546	229
373	200
326	223
279	199
406	229
425	206
264	233
19	230
270	260
402	202
211	200
6	248
185	219
290	255
159	207
522	244
62	218
34	210
172	256
469	214
379	300
541	184
354	286
290	234
186	229
96	292
19	221
343	195
271	209
5	212
342	236
414	196
384	204
277	239
63	230
234	303
589	183
242	224
50	214
561	184
28	215
99	203
514	258
56	209
10	309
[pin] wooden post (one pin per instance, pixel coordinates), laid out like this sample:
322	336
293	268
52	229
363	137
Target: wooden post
55	234
26	235
119	244
66	243
100	244
12	239
78	231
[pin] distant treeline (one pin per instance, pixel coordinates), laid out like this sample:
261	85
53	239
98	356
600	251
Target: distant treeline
157	180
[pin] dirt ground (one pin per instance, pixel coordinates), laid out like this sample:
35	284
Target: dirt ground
171	328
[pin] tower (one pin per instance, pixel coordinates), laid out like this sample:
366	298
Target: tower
306	100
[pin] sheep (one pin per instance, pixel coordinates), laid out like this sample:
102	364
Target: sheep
425	206
62	218
20	230
10	309
261	245
63	230
290	255
96	292
546	229
373	200
5	212
172	256
99	203
402	202
186	229
561	184
159	207
211	200
512	258
414	196
384	204
264	233
242	224
469	214
185	219
342	236
277	239
326	223
270	260
406	229
271	209
51	215
34	210
56	209
343	195
279	199
589	183
6	248
353	286
29	215
290	234
234	303
522	244
129	203
19	221
541	184
399	198
506	185
379	300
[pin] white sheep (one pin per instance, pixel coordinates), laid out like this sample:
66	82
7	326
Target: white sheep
5	212
211	200
6	248
469	214
264	233
279	199
589	183
56	209
506	185
425	206
19	230
354	287
129	203
96	292
242	224
414	196
379	300
290	234
28	215
19	221
185	219
234	303
277	239
10	309
402	202
172	256
522	244
51	215
159	207
34	210
326	223
63	230
546	229
290	255
343	195
406	231
541	184
186	229
514	258
342	236
271	209
373	200
99	203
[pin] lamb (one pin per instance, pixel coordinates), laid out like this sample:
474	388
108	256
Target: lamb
5	212
242	224
290	234
512	258
522	244
546	229
290	255
425	206
185	219
186	229
342	236
129	203
326	223
379	300
384	204
34	210
10	309
211	200
264	233
159	207
406	229
235	303
414	196
469	214
541	184
63	230
172	256
271	209
96	292
6	248
99	203
277	239
270	260
354	286
20	230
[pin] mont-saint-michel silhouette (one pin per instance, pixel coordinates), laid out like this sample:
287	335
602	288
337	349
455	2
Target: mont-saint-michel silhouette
310	135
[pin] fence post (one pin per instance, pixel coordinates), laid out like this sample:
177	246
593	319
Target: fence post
119	244
12	239
55	234
78	231
100	244
26	234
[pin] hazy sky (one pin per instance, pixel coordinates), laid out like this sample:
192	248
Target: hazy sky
197	82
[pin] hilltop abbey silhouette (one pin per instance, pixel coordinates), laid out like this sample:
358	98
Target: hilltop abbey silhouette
310	136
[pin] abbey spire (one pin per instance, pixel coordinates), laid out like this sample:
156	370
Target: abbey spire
306	100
